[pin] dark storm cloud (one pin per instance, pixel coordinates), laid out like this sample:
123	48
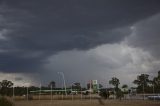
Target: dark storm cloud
37	29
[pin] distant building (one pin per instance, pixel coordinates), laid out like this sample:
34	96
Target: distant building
93	86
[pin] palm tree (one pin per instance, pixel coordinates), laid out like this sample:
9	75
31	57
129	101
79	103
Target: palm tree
115	82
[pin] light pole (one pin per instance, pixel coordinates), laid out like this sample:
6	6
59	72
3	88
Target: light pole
64	82
51	93
90	88
13	92
26	85
153	91
81	91
72	91
27	93
143	88
40	92
143	92
153	86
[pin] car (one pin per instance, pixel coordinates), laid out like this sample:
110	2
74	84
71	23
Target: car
154	97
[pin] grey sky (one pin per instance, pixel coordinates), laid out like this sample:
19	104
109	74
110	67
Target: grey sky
89	39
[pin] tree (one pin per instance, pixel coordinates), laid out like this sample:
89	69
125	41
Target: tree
156	80
115	82
76	86
156	83
6	84
142	82
6	87
0	85
124	87
52	84
100	86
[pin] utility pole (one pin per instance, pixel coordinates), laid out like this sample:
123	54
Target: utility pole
27	93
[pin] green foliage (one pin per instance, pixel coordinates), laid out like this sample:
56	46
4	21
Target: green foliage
104	94
142	82
115	82
156	83
124	87
76	86
100	86
119	94
19	91
52	84
145	85
5	102
6	87
6	84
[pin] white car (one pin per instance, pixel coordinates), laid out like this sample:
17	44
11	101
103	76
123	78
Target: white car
154	97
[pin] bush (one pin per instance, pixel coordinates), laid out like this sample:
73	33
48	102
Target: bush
5	102
104	94
119	94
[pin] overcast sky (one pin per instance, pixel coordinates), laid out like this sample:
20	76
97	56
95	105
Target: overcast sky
85	39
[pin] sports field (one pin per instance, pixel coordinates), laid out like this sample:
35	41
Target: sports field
95	102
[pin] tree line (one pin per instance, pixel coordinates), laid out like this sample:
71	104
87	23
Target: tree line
144	85
143	82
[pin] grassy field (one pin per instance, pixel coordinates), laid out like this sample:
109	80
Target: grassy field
87	103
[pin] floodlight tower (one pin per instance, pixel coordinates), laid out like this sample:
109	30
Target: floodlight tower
64	82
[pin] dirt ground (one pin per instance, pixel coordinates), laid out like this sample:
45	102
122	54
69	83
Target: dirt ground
87	103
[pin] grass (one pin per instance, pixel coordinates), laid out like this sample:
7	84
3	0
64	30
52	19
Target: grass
94	102
5	102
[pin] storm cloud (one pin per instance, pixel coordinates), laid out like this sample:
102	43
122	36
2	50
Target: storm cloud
145	34
33	33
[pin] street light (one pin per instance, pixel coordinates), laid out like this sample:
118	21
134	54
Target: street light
64	82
